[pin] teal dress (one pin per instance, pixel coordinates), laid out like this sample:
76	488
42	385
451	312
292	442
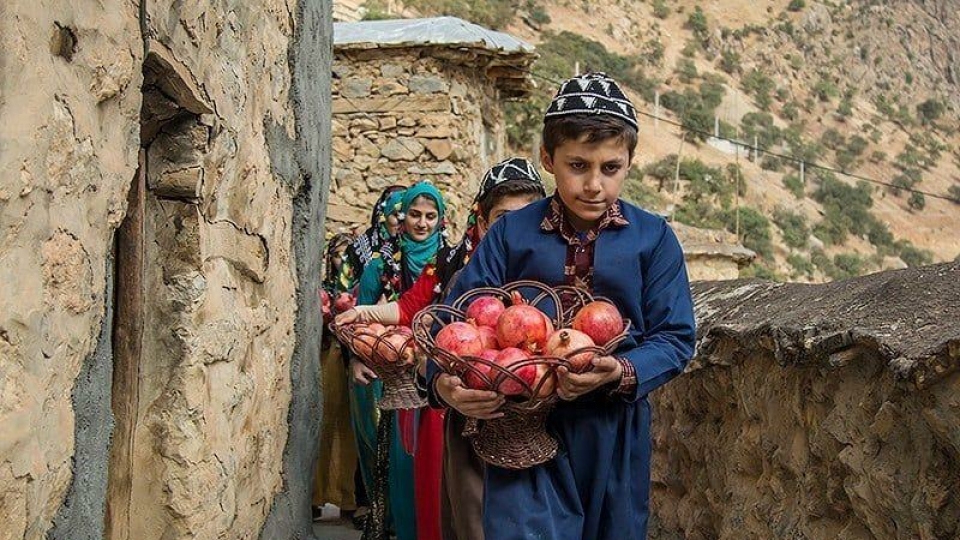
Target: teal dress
389	277
364	414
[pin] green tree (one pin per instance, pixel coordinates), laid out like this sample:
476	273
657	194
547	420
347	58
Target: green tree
916	201
793	226
930	110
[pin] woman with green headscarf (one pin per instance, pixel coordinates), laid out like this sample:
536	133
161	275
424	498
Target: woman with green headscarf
376	243
422	236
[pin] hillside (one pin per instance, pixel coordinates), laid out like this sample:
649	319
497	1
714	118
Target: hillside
863	87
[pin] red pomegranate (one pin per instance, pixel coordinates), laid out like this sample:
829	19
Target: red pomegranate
506	359
344	302
485	311
488	337
523	326
600	320
460	338
325	305
472	379
549	381
565	341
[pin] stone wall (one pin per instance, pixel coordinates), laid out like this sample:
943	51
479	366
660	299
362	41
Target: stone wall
401	115
815	412
207	123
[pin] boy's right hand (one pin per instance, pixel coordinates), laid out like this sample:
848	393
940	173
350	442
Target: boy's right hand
360	373
481	404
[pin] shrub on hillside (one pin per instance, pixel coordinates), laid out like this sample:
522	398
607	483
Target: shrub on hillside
930	110
793	226
847	265
792	182
730	61
913	255
801	265
697	23
660	9
916	201
954	193
796	5
759	85
754	229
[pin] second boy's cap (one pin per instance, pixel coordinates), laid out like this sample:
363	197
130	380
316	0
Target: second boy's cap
592	93
514	168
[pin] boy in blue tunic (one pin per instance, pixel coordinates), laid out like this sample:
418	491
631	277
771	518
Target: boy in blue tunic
597	488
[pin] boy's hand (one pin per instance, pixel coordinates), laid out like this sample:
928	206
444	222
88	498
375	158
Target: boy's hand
360	373
482	404
570	386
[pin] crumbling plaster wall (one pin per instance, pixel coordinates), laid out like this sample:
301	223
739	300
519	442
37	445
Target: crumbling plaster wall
229	403
406	114
69	128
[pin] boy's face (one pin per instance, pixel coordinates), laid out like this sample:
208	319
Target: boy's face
589	176
503	207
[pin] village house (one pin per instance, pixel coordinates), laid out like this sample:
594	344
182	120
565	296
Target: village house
419	99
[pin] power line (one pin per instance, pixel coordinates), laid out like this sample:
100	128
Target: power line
757	150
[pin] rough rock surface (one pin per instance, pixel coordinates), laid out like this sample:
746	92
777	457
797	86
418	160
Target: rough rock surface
815	411
228	177
69	123
402	115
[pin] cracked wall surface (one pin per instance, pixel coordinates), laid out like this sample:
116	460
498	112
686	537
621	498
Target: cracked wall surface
69	123
223	287
815	412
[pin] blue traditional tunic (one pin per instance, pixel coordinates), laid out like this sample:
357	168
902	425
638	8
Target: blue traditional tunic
597	488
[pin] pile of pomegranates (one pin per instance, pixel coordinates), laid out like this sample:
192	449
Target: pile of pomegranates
518	338
379	344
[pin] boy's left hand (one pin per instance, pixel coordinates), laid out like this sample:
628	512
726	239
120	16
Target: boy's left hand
570	386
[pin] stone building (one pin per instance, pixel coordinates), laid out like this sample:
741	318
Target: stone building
710	254
419	99
162	167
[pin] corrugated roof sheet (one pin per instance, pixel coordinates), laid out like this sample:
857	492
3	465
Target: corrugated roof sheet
436	31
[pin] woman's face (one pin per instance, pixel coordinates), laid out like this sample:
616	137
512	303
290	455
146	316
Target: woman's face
337	258
421	219
393	225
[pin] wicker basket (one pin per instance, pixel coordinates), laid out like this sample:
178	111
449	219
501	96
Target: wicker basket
518	439
399	389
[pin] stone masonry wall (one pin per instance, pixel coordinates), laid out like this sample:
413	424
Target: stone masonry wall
402	115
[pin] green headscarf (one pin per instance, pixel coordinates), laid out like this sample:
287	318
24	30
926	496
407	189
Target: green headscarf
417	255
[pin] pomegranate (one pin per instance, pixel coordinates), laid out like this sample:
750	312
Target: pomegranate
325	306
344	302
506	359
363	343
523	326
485	311
600	320
473	379
565	341
460	338
488	337
395	347
549	384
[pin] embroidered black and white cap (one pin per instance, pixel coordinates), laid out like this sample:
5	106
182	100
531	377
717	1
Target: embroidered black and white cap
510	169
592	93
